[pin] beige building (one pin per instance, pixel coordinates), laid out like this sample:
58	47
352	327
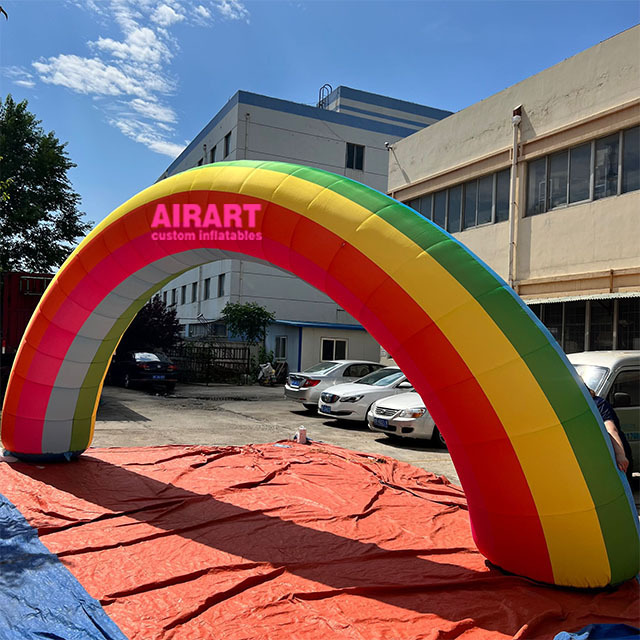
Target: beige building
559	219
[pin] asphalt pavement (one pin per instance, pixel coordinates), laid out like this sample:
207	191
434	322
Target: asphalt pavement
236	415
224	415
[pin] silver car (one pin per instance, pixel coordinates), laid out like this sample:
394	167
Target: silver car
404	415
352	400
306	386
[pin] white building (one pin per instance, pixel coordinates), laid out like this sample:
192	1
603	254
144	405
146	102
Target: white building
568	236
345	135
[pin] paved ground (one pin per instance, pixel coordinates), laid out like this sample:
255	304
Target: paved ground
235	415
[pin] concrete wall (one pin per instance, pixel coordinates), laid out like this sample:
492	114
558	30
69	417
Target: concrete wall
593	236
360	345
592	81
583	98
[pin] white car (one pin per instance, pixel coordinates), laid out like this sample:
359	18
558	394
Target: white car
306	386
615	376
352	401
404	415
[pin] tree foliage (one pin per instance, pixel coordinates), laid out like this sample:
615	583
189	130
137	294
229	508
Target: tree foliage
248	321
156	327
39	217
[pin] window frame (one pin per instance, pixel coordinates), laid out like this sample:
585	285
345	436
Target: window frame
280	340
620	135
333	351
227	144
221	283
355	147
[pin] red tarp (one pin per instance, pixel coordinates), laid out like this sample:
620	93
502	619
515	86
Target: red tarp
285	541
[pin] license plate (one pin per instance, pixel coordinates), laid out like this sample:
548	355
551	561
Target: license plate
381	422
295	383
158	377
325	408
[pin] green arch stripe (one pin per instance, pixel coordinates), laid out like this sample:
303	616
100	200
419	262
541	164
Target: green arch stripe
531	341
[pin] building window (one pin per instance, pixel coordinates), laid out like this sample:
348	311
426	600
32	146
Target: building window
164	298
227	144
207	289
454	209
174	296
194	292
502	195
580	173
628	324
558	179
592	325
333	349
485	199
281	348
221	279
631	159
537	187
467	205
606	167
183	294
574	326
355	156
470	203
212	154
598	169
601	325
440	208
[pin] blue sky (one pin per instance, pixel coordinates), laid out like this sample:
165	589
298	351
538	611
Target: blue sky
127	83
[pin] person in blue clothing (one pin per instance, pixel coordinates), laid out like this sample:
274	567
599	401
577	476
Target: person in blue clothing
621	447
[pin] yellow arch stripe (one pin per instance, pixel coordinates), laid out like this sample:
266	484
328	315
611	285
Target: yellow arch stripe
530	422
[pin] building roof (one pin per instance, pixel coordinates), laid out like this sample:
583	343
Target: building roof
320	325
399	127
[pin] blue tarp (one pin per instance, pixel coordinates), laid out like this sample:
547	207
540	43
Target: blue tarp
39	598
602	632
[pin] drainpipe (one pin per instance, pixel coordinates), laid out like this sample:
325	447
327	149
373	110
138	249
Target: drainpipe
516	119
246	135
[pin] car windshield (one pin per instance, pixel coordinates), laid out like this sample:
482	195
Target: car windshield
382	377
322	367
148	357
592	375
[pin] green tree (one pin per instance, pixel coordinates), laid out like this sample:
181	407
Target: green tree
156	327
248	321
39	217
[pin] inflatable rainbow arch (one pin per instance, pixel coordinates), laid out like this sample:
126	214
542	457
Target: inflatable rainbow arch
545	498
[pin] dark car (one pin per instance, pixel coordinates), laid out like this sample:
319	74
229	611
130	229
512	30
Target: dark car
143	368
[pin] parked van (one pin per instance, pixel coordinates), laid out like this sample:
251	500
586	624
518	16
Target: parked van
615	376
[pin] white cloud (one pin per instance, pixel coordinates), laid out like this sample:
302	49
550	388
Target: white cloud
19	76
141	45
154	110
232	9
165	16
89	76
203	12
146	134
134	68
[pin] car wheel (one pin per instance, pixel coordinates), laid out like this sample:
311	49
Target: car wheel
437	439
126	381
170	388
310	407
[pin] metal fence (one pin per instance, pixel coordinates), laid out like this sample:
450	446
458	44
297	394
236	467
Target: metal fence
212	361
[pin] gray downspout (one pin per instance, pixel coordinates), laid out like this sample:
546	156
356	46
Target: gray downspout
513	211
